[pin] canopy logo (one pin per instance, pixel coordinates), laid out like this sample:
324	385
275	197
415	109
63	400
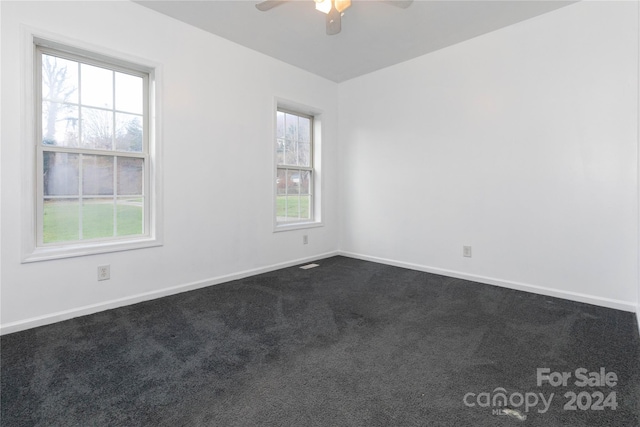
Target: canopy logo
498	398
503	403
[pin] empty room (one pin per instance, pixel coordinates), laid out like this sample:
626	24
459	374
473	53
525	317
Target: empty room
320	213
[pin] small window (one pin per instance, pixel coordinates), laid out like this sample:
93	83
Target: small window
93	164
294	168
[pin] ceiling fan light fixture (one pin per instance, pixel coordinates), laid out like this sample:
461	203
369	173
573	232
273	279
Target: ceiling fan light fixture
342	5
334	9
324	6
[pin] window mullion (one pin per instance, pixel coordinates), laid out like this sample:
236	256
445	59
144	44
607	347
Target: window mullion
38	215
80	109
302	168
113	111
297	141
80	156
115	196
114	200
286	193
311	197
299	196
73	150
80	194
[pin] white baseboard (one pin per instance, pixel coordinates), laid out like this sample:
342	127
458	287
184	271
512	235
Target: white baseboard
102	306
541	290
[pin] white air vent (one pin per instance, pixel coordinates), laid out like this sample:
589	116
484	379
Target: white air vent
308	266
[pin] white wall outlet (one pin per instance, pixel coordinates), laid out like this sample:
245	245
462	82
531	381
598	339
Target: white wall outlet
305	239
466	251
104	272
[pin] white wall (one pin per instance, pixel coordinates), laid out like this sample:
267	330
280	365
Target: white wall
217	124
522	143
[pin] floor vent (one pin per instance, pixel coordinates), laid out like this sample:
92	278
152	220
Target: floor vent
308	266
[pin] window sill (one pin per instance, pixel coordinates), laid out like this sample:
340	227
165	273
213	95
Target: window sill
84	249
296	226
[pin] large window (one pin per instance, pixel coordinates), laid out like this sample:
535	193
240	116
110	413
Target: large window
294	168
93	163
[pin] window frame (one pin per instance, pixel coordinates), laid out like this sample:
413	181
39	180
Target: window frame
34	249
315	186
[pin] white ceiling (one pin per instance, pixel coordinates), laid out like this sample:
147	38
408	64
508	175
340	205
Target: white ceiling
374	34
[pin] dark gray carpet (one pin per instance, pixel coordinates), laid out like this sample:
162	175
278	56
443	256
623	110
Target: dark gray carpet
349	343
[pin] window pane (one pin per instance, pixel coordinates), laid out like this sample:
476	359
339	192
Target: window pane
291	126
291	141
305	182
290	153
305	195
59	79
129	93
129	216
281	208
279	151
97	218
293	182
304	129
292	208
279	124
297	208
97	129
97	175
281	182
59	124
128	132
60	174
130	172
304	154
305	203
285	212
61	220
294	147
293	199
96	86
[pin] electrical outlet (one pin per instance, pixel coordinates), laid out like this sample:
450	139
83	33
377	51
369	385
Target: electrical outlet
305	239
104	272
466	251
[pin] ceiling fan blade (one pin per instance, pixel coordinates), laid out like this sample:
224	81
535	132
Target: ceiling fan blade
334	21
399	3
269	4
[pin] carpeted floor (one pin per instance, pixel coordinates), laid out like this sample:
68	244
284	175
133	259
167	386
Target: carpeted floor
349	343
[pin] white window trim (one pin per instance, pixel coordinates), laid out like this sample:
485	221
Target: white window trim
31	252
295	107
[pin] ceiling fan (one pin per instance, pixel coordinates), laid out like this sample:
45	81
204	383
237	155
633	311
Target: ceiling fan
334	9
